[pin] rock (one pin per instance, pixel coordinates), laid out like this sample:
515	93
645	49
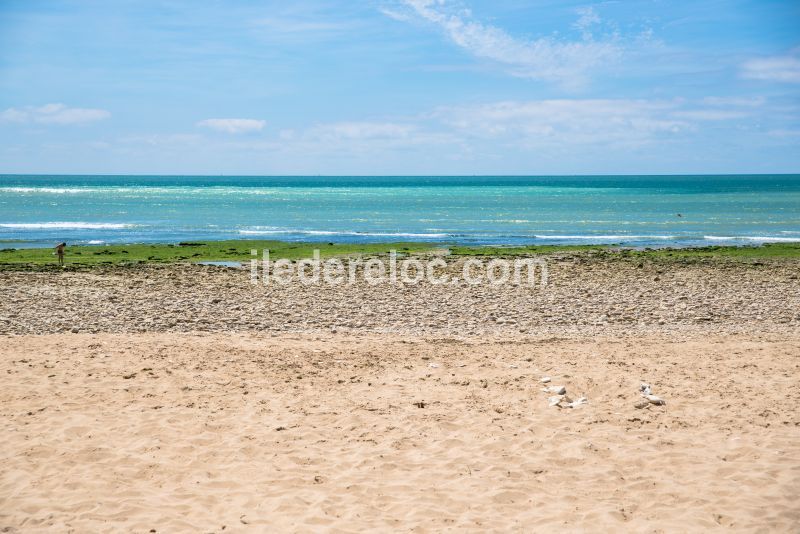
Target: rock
644	403
558	390
545	379
75	330
645	389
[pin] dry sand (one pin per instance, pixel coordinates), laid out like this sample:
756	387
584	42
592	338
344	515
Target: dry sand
250	428
205	432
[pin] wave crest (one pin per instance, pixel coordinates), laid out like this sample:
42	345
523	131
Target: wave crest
61	225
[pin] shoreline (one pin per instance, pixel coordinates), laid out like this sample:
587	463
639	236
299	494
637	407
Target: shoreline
83	256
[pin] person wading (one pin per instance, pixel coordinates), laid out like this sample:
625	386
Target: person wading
60	253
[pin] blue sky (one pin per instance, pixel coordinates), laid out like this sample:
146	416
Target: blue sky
399	87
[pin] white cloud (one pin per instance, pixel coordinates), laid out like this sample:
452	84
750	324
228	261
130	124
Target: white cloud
552	125
14	115
710	114
552	135
784	133
166	140
588	18
301	22
548	59
362	130
53	114
234	126
286	26
396	15
775	69
568	121
749	102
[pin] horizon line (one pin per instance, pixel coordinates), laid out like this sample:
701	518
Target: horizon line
796	173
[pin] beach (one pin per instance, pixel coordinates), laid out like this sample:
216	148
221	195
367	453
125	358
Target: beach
399	266
186	398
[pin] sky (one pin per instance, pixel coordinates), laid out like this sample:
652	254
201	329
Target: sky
399	87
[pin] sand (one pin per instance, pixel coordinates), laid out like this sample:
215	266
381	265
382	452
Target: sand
248	432
190	401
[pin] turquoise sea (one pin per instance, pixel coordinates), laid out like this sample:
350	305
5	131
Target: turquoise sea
629	210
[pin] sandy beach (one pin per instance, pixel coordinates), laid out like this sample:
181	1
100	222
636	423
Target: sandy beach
399	266
182	398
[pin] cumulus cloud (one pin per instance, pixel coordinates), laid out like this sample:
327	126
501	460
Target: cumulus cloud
53	114
784	69
565	62
233	126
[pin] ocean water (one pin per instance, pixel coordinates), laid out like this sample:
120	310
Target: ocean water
627	210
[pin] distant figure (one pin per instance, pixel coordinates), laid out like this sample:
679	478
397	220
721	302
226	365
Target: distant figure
60	253
679	215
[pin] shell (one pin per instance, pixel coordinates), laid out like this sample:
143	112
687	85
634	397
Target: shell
658	401
578	402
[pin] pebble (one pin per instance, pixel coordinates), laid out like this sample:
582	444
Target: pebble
408	309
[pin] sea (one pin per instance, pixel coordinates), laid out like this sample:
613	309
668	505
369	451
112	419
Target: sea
633	211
